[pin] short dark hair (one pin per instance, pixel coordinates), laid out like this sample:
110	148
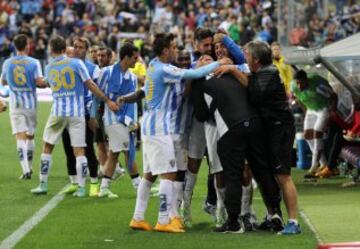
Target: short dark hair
20	42
108	50
83	40
300	75
57	44
261	51
128	49
203	33
162	41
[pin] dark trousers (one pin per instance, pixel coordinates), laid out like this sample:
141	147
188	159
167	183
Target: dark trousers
333	144
211	197
246	140
89	152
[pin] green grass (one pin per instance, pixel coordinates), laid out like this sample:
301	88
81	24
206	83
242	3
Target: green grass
103	223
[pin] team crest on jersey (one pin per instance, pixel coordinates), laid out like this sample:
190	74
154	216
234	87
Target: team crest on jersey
172	163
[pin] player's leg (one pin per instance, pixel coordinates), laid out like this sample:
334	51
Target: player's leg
21	146
197	144
76	127
247	216
309	124
130	161
181	158
118	141
280	141
30	143
52	133
92	161
19	129
70	163
138	221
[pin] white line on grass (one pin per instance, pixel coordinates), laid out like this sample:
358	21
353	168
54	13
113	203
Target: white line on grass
311	226
28	225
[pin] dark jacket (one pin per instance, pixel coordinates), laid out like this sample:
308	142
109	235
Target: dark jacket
267	94
229	105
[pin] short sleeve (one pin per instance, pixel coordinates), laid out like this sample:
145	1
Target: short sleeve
38	71
83	72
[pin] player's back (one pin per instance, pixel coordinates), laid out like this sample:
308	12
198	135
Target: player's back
21	73
161	92
66	77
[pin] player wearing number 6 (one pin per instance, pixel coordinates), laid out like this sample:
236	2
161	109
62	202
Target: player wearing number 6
23	73
67	78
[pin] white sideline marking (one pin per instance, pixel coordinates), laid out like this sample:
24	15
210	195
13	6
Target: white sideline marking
28	225
311	226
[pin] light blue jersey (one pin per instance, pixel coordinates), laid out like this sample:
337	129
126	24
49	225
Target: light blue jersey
94	72
21	72
162	96
114	83
66	77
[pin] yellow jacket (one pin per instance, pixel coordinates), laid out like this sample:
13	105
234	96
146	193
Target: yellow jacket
286	73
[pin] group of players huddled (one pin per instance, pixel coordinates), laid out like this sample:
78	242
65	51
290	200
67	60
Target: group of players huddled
220	101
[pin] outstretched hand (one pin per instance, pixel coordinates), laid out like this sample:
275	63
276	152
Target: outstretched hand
224	69
112	105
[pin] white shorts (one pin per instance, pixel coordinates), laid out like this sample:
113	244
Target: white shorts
76	127
316	120
197	142
181	152
212	137
23	120
158	154
118	136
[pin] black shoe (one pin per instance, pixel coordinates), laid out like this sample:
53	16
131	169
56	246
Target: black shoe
229	227
26	176
310	176
266	225
277	223
246	220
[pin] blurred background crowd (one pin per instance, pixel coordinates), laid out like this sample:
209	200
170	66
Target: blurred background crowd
309	23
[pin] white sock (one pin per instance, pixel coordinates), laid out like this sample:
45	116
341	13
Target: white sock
30	151
323	160
22	153
142	199
81	170
189	184
73	179
45	166
318	147
245	200
165	195
220	194
136	182
105	183
178	193
293	221
94	180
311	144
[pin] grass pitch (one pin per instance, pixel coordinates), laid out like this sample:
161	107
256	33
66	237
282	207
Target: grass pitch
103	223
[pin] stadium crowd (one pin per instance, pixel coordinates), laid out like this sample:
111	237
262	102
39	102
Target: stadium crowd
104	22
201	92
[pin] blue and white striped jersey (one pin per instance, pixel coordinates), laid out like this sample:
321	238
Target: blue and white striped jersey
21	73
66	77
94	72
163	99
115	83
